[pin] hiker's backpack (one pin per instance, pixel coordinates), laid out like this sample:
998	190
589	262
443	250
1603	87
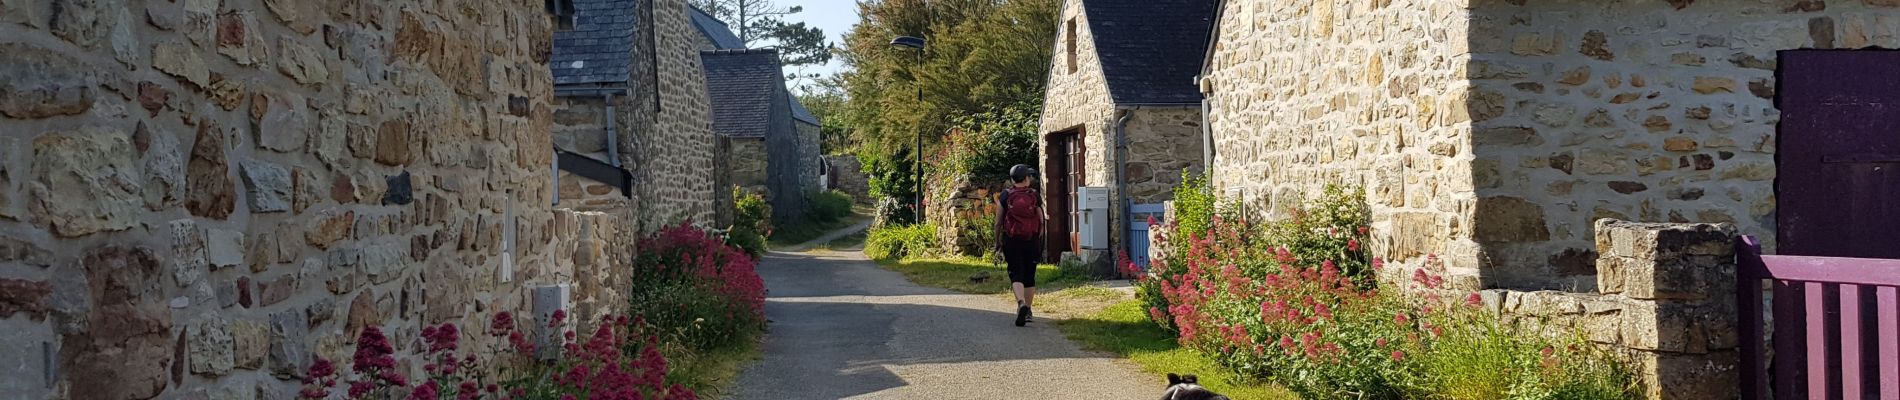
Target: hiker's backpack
1022	214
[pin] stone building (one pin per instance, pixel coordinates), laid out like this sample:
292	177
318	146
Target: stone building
749	123
631	110
1121	110
1493	132
768	153
198	198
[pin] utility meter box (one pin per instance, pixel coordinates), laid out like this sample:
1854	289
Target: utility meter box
1091	214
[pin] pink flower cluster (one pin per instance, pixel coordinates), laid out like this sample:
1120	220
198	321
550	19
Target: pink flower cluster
702	256
618	362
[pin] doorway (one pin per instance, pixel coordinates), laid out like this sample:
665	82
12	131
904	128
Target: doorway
1064	155
1837	185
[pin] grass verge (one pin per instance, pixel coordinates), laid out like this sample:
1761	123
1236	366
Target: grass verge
1123	329
711	374
1099	318
800	233
853	241
955	274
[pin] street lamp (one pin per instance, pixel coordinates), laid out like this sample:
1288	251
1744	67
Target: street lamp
918	149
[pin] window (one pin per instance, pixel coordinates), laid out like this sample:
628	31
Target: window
1069	43
561	13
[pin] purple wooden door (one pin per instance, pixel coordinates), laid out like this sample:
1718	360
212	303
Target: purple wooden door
1838	159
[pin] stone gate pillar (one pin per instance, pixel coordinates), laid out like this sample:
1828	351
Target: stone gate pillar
1679	314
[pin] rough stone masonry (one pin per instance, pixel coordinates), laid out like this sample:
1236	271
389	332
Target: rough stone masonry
198	197
1493	133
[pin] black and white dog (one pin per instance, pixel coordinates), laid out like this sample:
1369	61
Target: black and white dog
1188	388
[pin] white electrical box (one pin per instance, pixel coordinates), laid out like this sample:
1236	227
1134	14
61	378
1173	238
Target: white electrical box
1091	214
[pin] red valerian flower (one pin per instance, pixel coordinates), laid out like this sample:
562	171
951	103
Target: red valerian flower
1398	355
427	391
1474	300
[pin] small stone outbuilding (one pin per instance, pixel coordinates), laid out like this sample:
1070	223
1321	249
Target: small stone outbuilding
1121	110
1493	133
631	108
768	153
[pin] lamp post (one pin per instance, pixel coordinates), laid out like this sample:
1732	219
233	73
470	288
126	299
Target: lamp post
917	149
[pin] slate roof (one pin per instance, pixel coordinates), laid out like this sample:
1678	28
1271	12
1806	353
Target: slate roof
599	48
798	110
743	85
716	30
1151	49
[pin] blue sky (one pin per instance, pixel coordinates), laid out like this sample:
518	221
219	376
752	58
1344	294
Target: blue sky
833	16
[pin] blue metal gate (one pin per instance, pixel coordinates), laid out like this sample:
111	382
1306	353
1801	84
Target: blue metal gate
1138	230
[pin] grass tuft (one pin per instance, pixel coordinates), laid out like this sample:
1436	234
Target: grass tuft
1123	329
955	274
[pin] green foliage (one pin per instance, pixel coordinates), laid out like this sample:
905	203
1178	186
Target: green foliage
1293	301
825	99
993	142
1195	206
1479	359
1332	227
751	222
829	206
1124	329
704	294
897	242
954	273
983	56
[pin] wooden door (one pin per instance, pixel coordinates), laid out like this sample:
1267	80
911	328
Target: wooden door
1058	195
1838	159
1078	177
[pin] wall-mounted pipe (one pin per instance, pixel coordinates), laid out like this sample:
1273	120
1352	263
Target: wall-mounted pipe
1121	177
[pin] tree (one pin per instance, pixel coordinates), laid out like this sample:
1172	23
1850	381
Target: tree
825	99
761	22
985	69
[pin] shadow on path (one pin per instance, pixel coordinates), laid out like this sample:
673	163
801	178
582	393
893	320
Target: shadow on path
842	327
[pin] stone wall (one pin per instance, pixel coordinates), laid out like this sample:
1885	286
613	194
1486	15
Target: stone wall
200	197
808	156
1494	138
1645	111
847	175
583	194
746	164
1369	93
1162	141
676	174
1162	144
580	126
964	212
1667	302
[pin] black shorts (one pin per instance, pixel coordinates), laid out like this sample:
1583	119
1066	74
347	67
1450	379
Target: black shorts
1021	256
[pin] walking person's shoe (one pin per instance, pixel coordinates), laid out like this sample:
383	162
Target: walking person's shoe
1029	316
1022	314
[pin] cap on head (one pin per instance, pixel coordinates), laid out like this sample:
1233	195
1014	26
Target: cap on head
1020	172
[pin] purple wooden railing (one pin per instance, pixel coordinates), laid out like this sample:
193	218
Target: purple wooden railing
1837	325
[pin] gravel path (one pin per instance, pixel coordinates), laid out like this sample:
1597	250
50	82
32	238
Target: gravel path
844	328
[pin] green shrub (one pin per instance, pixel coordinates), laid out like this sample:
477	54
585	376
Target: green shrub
1333	227
898	242
1293	301
751	222
829	206
988	144
703	293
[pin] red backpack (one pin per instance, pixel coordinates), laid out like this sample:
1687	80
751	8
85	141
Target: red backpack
1022	213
